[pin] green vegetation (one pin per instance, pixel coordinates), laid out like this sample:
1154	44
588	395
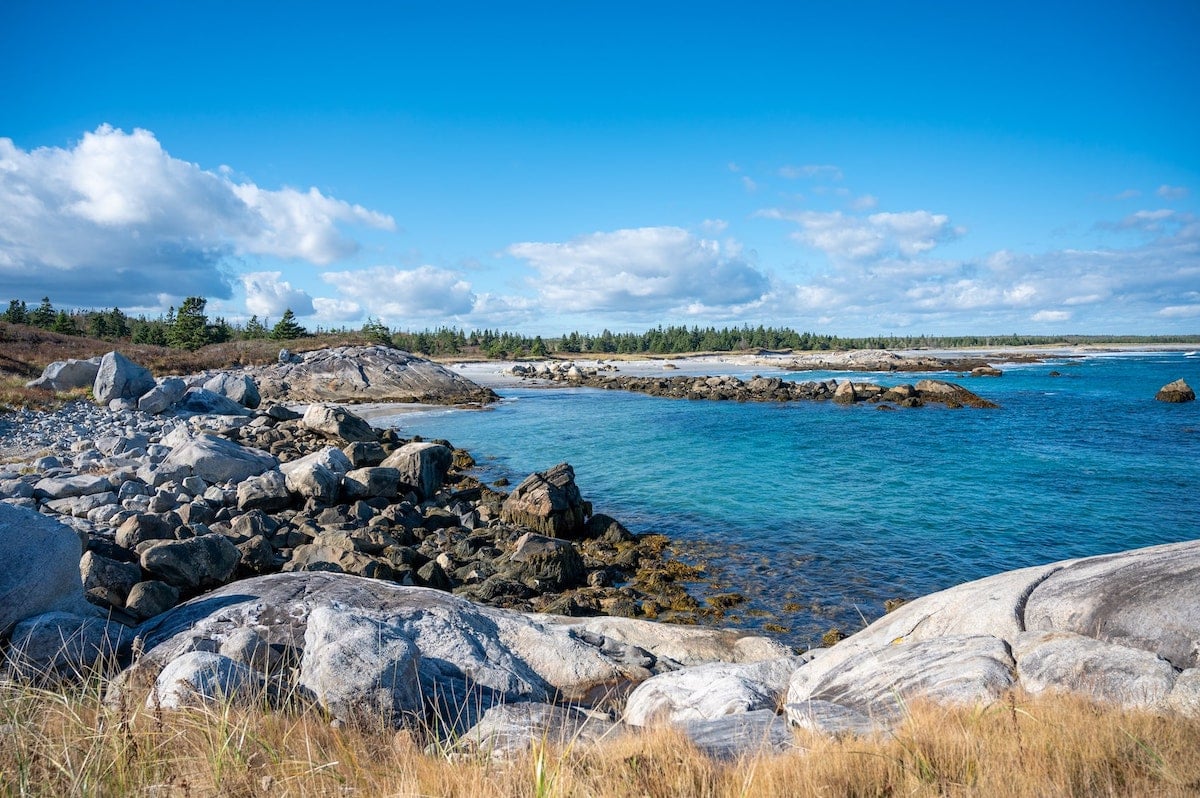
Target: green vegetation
189	328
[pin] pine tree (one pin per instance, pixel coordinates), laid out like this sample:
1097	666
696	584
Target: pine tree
287	328
43	315
190	329
16	313
64	324
254	329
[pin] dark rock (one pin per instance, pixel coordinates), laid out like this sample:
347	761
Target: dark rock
197	562
1176	392
548	502
545	563
150	598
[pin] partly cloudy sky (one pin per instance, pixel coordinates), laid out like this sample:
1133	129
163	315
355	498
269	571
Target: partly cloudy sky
876	169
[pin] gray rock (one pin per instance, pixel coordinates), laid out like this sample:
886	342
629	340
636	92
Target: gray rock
204	402
1176	392
63	646
82	506
241	388
76	485
165	394
510	729
147	526
949	670
337	422
314	481
67	375
118	377
364	454
267	491
422	465
107	581
732	737
826	717
340	559
202	676
41	572
365	374
216	459
1144	599
331	457
548	502
1185	695
367	483
709	691
150	598
548	563
196	562
360	668
1068	662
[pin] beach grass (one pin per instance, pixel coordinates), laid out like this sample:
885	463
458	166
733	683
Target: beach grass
67	742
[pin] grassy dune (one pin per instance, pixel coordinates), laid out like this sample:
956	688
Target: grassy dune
55	743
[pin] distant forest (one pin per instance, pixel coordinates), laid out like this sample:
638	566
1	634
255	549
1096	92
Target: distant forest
189	327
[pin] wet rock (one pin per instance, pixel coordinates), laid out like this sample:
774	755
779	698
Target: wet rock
1176	392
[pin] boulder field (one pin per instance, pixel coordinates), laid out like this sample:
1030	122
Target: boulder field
311	561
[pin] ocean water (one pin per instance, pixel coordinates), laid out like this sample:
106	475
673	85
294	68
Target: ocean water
818	513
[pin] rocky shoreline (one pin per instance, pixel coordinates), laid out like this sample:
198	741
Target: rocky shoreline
758	389
215	551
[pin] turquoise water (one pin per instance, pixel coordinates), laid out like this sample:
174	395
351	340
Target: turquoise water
830	510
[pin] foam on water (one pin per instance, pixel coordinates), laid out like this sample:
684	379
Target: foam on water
830	510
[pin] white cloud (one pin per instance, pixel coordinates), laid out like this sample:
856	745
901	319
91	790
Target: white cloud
115	219
1172	192
1129	193
646	270
336	311
401	296
864	203
268	296
714	226
1181	311
1051	316
811	171
858	238
749	184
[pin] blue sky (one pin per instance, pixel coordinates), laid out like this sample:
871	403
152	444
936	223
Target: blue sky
853	168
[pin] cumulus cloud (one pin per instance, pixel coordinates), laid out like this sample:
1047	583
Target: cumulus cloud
811	172
336	311
1172	192
269	296
857	238
646	270
1051	316
115	219
400	296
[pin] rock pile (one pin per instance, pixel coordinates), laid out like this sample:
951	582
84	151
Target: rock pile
759	389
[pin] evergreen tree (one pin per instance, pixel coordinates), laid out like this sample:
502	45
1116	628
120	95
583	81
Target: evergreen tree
64	324
219	331
190	328
16	313
254	329
118	323
377	331
43	315
287	328
98	325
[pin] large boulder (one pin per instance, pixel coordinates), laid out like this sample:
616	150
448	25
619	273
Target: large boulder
467	658
331	457
421	464
951	395
337	422
267	491
703	692
241	388
67	375
313	481
1176	392
63	646
365	374
41	572
164	395
118	377
215	459
548	502
202	401
545	563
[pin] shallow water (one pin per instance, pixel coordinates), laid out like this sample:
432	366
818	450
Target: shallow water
818	513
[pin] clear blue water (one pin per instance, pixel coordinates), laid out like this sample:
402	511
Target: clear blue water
830	510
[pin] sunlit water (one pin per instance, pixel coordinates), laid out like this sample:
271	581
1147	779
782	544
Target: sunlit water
818	513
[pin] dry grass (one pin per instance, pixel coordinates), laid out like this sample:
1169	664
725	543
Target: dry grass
69	744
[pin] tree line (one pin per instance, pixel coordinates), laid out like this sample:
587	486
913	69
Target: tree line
189	327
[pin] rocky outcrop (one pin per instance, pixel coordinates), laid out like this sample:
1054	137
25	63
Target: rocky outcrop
365	374
118	377
761	389
1176	392
548	502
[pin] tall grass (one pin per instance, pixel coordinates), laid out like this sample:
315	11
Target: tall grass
56	743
